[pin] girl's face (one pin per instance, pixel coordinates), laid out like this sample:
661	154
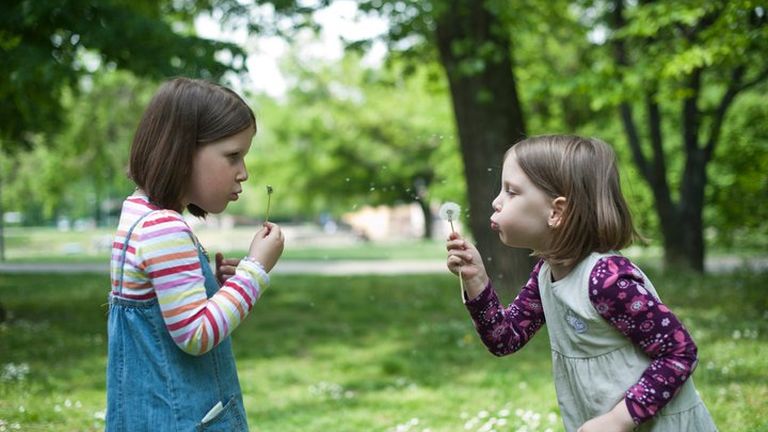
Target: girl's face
217	171
521	211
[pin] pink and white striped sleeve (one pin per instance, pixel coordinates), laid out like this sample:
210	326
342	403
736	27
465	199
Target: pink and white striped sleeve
169	259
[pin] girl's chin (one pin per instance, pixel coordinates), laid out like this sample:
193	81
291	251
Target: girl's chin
216	210
507	243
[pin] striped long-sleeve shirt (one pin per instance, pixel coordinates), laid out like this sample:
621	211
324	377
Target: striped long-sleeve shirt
162	262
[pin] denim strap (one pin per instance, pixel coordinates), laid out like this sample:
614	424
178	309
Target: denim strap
125	248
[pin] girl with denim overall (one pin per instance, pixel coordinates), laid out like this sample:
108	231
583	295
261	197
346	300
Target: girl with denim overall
170	364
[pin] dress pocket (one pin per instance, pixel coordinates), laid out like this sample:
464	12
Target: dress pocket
229	419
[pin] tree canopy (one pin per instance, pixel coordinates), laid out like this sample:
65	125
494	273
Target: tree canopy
675	87
47	46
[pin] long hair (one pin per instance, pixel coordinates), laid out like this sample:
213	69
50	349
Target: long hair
596	217
183	116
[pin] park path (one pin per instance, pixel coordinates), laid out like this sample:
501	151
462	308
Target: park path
324	267
355	267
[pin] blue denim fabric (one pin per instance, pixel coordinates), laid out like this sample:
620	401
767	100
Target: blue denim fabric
152	385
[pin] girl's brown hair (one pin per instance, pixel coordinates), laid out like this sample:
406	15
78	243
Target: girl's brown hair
183	116
596	217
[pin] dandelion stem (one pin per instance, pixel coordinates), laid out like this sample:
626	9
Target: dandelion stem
461	278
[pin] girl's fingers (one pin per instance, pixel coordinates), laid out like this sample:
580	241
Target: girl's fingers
227	270
460	259
219	259
456	244
462	255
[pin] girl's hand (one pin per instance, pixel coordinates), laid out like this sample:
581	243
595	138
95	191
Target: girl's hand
225	268
616	420
463	256
267	245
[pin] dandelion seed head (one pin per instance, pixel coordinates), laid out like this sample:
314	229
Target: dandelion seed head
449	211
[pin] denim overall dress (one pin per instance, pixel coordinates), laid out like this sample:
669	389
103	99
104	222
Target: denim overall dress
152	385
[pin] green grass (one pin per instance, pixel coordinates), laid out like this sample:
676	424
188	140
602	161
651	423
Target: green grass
366	354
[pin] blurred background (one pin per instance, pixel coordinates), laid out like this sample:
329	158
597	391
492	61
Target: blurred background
370	114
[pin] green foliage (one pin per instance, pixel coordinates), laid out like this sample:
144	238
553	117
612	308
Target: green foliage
77	170
365	353
691	60
47	46
347	136
739	178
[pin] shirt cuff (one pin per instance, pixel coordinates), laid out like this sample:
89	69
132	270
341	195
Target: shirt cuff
254	271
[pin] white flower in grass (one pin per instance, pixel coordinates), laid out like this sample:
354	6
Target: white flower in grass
14	372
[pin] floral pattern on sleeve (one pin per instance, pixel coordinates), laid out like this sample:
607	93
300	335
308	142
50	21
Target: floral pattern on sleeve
505	331
617	291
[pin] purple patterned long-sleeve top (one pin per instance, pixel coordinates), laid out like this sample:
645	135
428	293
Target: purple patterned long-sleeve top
617	292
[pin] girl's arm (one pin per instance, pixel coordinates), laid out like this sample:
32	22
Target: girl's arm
505	331
170	260
617	291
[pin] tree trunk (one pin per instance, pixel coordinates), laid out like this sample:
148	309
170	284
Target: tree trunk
681	223
691	205
2	233
2	220
427	212
489	120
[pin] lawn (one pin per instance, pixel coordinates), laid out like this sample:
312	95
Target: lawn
366	354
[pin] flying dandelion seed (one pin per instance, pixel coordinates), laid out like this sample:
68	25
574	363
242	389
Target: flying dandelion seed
269	202
450	211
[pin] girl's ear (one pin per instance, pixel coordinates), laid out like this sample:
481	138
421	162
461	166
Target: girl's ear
556	213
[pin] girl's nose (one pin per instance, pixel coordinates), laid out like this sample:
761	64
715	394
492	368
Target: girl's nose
242	175
496	204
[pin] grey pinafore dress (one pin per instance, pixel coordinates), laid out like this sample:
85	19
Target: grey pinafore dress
594	364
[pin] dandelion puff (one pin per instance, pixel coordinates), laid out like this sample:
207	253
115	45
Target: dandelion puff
269	202
450	211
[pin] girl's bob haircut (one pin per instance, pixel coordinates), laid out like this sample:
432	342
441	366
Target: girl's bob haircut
183	116
596	217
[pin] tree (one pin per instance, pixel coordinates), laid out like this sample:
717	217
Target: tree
476	51
49	45
739	177
76	170
699	57
472	42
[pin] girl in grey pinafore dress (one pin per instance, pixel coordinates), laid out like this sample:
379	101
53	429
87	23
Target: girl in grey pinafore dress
594	364
621	359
